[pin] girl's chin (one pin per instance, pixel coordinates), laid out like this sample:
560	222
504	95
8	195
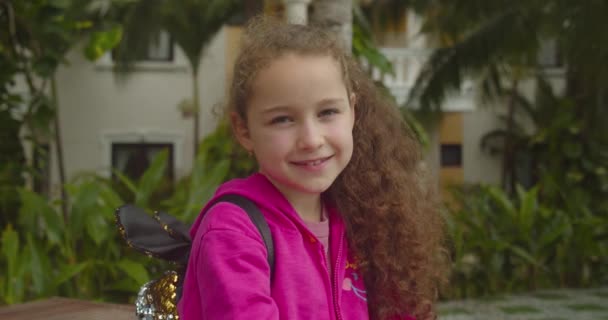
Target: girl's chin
291	186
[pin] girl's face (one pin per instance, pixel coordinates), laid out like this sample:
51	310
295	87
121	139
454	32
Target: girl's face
299	123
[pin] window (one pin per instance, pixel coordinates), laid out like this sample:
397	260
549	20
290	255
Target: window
451	155
549	55
133	159
160	50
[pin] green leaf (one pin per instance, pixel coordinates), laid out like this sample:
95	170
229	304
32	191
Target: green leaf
38	267
134	270
125	180
68	271
102	41
60	4
203	183
36	208
110	199
151	179
523	254
84	198
503	201
14	287
528	207
555	229
10	249
572	150
125	285
97	228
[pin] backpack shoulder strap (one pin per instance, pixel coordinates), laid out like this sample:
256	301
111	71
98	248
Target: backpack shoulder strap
258	220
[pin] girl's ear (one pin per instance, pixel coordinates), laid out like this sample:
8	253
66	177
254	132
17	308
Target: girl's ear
241	131
353	100
353	103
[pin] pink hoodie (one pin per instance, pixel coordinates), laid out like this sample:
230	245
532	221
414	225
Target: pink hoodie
228	276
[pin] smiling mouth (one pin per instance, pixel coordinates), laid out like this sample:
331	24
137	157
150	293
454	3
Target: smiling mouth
311	163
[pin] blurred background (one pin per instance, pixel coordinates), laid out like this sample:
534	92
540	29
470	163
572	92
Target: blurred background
104	102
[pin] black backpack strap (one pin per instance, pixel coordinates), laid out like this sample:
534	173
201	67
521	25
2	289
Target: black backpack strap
258	220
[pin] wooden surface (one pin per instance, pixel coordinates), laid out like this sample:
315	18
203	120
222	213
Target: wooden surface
64	309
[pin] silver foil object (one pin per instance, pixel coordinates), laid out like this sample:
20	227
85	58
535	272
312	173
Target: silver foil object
156	299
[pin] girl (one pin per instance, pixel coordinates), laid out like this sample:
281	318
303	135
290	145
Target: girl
356	234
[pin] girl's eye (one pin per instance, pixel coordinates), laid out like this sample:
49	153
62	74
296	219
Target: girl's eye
328	112
280	119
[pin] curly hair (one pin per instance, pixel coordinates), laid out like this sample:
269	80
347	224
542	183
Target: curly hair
393	225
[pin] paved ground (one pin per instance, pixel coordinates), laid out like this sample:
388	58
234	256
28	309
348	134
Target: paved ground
587	304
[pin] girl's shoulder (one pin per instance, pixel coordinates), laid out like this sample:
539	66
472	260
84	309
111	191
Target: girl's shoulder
225	216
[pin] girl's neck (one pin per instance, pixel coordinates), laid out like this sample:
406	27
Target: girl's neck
308	206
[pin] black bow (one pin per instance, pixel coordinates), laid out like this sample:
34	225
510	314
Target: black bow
161	236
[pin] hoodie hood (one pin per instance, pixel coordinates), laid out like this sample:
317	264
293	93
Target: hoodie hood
264	194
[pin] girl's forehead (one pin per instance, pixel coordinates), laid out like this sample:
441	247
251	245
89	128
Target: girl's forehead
294	80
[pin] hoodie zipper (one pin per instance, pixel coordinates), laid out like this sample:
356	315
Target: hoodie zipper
335	284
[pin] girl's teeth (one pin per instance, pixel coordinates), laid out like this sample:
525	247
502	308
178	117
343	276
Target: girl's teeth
313	163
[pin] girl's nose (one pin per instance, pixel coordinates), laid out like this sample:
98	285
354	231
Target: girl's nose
310	136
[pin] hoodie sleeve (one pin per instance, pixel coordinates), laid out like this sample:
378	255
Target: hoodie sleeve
232	270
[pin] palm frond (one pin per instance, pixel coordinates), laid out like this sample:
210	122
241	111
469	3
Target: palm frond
190	23
498	41
193	23
141	26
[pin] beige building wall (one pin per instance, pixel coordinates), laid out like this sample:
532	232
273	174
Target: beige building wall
479	166
98	108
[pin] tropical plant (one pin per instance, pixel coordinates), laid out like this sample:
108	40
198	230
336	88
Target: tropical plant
12	168
497	44
554	148
220	158
192	24
503	245
85	258
40	34
44	256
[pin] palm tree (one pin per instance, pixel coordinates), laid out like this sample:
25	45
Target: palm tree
497	42
190	23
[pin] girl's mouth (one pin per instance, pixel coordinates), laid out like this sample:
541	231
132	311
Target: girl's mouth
312	163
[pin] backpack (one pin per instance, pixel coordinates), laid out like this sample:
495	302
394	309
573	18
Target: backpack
164	237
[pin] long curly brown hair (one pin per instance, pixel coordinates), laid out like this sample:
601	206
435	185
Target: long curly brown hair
393	225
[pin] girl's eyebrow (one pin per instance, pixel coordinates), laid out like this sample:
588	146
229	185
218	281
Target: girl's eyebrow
276	109
321	103
330	101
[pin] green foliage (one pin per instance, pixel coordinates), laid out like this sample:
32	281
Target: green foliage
364	49
39	34
194	191
563	153
363	46
567	158
490	39
220	158
221	145
101	42
503	245
11	168
82	258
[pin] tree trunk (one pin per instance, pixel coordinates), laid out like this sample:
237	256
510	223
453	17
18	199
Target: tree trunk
336	16
59	150
508	157
196	111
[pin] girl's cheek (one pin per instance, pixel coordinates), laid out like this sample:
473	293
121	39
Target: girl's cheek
276	139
